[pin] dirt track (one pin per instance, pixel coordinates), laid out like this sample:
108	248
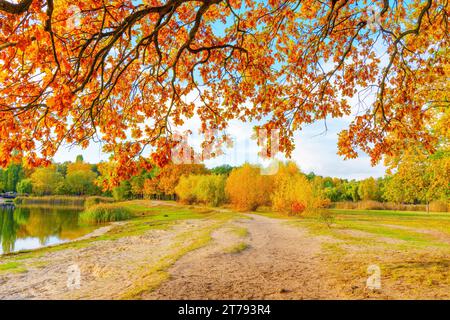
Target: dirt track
281	262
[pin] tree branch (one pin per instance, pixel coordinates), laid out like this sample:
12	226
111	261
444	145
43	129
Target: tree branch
15	8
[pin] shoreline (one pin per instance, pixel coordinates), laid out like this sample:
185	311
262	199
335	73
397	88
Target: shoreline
101	230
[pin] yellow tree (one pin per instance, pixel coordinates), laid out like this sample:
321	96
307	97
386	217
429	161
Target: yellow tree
368	189
80	181
185	188
419	177
169	176
46	181
293	193
247	189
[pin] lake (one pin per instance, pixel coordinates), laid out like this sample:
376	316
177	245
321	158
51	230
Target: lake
31	227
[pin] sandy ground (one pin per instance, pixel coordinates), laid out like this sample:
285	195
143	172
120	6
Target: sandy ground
107	268
281	262
276	260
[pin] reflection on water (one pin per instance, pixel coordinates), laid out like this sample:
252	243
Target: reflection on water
33	227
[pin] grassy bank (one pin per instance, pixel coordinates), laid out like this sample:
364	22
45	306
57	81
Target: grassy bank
70	201
147	217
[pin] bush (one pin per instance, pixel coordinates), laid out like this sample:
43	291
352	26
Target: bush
206	189
439	206
297	207
371	205
327	217
348	205
105	212
93	200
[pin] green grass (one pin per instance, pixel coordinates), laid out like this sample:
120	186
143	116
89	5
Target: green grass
237	248
12	266
239	231
393	213
145	217
106	212
410	248
419	229
412	220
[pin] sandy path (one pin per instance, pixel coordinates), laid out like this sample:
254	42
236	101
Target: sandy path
281	262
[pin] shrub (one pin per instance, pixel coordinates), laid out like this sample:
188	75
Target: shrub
247	189
105	212
439	206
371	205
18	200
93	200
297	207
345	205
327	217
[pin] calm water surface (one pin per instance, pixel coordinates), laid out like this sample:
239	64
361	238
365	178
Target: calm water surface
33	227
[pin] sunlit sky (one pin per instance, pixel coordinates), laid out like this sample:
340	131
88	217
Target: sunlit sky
316	150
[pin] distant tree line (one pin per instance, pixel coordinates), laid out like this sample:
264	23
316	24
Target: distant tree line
413	179
68	178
